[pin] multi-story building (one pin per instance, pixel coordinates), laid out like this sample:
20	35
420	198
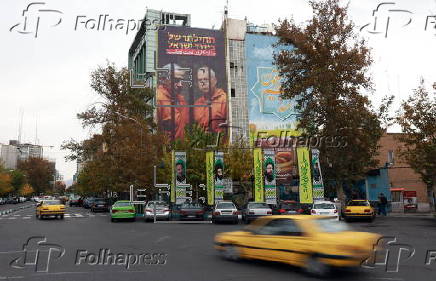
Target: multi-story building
9	156
28	150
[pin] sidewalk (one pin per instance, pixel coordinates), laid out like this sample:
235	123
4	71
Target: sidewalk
410	215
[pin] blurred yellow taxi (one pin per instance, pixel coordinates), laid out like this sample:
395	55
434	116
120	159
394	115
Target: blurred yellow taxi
314	243
48	208
356	209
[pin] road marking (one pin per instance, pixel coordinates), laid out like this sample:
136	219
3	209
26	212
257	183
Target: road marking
12	218
26	218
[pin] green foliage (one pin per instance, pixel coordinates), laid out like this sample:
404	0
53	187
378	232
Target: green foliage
326	73
417	118
39	173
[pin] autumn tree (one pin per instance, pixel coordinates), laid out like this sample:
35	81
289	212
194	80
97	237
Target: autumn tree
18	180
417	118
27	190
128	145
5	183
324	67
39	173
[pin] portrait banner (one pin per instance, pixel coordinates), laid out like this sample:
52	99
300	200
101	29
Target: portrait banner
305	188
180	175
269	166
258	177
209	177
318	185
219	176
173	177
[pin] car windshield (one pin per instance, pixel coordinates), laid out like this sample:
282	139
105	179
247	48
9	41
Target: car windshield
358	203
257	206
101	201
52	202
226	205
158	204
190	206
324	206
331	226
122	204
290	206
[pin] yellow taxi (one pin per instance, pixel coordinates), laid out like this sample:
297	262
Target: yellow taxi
359	209
314	243
47	208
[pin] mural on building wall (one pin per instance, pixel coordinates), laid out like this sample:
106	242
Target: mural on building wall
192	84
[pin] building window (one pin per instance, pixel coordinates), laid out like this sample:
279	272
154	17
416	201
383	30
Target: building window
391	157
232	92
396	196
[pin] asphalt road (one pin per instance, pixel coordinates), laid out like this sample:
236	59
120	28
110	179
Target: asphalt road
82	241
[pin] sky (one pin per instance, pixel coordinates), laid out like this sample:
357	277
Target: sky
45	74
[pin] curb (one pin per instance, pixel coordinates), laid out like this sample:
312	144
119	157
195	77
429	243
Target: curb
184	222
8	211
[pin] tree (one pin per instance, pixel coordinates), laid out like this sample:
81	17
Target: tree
39	173
326	73
5	184
18	179
128	146
27	190
60	187
417	118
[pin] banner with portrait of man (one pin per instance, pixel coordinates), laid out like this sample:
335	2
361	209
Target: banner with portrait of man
219	176
191	80
269	168
179	175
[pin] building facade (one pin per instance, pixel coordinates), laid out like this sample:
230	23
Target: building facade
9	156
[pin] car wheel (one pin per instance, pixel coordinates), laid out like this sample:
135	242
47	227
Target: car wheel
62	217
112	220
133	219
231	252
315	267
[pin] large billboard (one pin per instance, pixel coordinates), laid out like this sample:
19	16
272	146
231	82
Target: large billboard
192	84
269	114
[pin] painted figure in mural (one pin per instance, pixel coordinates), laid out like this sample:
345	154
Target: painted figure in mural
216	113
165	97
180	172
269	172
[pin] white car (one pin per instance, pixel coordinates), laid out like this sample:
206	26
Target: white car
325	208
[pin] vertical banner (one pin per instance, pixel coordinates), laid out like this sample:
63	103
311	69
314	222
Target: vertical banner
269	163
180	175
305	175
318	185
258	177
219	176
209	177
173	177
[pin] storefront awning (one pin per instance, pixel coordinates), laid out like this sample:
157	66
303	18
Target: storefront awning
397	189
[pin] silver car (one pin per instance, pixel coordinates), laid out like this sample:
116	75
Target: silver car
162	210
225	211
253	210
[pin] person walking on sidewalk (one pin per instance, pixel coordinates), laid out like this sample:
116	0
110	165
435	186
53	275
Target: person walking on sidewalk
382	203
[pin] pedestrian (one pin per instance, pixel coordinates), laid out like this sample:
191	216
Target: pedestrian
382	204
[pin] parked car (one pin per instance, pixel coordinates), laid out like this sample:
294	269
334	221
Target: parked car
191	211
87	202
288	208
2	201
253	210
74	201
313	243
162	210
325	208
48	208
100	205
225	211
123	209
12	200
359	209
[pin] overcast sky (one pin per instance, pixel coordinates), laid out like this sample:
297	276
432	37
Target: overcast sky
48	76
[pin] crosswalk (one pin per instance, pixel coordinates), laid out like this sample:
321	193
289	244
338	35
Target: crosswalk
67	216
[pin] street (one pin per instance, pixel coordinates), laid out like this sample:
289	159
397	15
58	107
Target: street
80	243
